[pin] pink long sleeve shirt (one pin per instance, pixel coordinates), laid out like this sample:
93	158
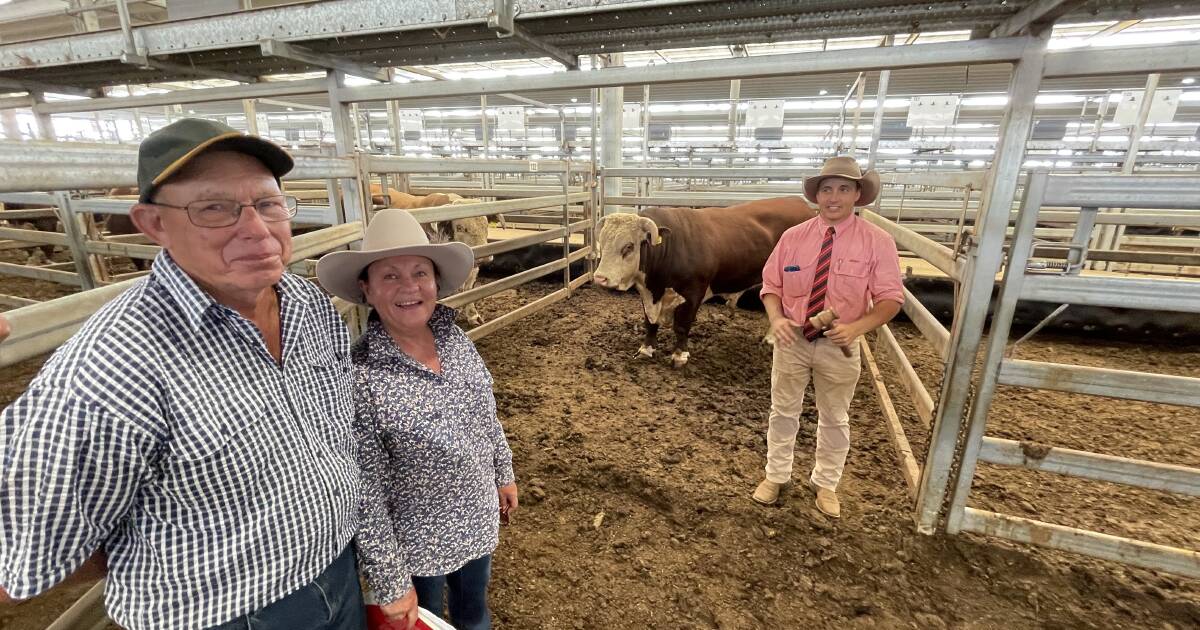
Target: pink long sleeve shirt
865	268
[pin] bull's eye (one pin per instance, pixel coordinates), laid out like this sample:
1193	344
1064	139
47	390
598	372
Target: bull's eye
627	250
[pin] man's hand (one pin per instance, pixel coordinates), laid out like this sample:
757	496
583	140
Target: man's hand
4	330
844	335
785	334
508	499
403	611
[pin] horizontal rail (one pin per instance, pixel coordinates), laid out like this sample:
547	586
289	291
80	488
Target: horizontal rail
1078	379
15	301
922	401
539	304
128	250
1097	466
1126	550
34	236
960	179
930	327
510	193
510	244
43	166
392	164
1140	293
685	201
31	213
37	273
775	172
1123	191
937	254
904	455
485	208
460	300
325	240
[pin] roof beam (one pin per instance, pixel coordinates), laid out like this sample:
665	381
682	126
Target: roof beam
276	48
433	74
143	61
1003	50
14	102
311	108
38	86
1112	30
1037	12
503	21
269	89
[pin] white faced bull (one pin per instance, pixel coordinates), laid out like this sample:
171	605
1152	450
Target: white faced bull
620	240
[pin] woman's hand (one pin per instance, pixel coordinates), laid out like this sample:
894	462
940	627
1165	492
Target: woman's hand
508	499
403	611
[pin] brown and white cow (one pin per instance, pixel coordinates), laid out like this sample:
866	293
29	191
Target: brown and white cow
677	258
473	231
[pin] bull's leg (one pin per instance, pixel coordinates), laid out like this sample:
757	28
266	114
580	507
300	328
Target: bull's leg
652	309
685	316
472	313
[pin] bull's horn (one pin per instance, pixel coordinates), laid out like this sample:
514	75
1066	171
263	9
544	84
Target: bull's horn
650	228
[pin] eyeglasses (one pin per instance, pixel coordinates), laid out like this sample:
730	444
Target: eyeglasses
215	213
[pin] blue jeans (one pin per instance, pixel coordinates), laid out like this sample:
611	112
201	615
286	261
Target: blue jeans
468	594
332	601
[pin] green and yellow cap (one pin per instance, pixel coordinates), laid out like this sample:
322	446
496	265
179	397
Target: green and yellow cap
166	151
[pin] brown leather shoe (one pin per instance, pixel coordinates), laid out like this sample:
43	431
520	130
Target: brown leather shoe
827	501
767	492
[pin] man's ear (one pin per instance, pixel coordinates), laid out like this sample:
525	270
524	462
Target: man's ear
148	219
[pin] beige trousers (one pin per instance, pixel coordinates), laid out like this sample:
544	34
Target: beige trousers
834	377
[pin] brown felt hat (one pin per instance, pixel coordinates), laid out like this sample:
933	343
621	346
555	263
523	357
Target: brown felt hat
166	151
845	167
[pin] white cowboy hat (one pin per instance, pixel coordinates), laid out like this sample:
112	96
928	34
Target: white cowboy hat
394	232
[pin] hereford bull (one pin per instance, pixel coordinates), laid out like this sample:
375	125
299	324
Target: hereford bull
679	257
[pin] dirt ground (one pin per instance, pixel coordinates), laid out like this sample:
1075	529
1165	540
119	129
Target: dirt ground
636	479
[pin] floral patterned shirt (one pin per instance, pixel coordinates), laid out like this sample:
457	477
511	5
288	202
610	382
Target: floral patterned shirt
432	454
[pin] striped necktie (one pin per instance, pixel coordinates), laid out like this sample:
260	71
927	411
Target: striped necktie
816	299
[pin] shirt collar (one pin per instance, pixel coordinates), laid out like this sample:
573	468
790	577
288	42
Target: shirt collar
845	226
196	302
380	345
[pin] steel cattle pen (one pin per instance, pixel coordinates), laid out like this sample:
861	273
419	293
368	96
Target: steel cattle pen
957	415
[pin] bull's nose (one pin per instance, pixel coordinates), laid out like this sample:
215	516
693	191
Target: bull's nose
601	280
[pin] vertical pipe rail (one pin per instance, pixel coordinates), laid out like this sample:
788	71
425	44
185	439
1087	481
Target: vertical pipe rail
1014	274
982	262
76	240
877	122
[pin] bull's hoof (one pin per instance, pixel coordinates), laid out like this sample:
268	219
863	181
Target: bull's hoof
646	351
679	359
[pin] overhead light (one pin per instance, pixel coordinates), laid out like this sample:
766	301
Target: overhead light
574	100
191	111
290	109
823	92
1188	80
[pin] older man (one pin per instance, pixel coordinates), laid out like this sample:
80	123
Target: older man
197	428
834	261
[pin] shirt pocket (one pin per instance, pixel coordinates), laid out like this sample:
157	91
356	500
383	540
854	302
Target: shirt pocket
218	459
798	281
323	384
851	276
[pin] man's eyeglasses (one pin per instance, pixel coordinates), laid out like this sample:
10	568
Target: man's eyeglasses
215	213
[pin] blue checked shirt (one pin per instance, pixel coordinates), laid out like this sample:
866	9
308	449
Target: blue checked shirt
217	480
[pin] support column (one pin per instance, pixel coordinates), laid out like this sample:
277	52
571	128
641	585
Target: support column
643	183
877	121
12	130
44	121
939	477
735	94
1116	232
393	117
351	192
251	112
612	101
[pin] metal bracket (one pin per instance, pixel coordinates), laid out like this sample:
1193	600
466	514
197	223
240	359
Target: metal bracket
502	19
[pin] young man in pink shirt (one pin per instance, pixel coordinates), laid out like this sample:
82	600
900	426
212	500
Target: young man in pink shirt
833	261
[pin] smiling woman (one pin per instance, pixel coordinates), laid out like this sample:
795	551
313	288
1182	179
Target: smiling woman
437	472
